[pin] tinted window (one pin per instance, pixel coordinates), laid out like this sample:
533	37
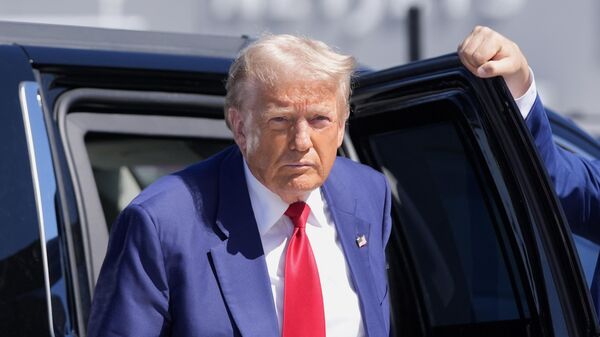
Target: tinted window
123	165
455	242
450	221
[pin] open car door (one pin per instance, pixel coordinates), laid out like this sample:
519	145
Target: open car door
480	246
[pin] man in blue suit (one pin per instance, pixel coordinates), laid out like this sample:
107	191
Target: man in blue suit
204	251
274	236
576	179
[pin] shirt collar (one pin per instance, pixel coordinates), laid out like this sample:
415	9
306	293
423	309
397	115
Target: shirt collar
268	206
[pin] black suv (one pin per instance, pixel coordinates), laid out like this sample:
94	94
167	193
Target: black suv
89	117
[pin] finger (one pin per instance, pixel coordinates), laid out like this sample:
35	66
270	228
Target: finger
465	42
461	50
471	53
475	32
463	56
467	60
471	46
488	50
470	67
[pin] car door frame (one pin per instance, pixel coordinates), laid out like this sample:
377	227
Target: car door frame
417	82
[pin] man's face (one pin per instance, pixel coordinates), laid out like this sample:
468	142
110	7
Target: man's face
290	136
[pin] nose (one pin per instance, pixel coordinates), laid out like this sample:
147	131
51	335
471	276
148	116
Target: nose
300	136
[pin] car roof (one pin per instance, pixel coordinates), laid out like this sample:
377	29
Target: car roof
75	37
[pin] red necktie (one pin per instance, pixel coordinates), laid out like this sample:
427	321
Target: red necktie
303	313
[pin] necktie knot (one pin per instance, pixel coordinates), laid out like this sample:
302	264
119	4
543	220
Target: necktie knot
298	212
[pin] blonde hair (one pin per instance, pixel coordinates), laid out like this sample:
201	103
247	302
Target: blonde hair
273	59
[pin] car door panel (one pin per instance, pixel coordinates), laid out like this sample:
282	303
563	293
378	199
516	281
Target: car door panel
32	282
472	250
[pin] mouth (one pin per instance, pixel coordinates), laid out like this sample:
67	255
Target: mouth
300	165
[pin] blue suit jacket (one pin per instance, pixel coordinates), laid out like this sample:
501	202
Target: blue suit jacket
185	257
577	184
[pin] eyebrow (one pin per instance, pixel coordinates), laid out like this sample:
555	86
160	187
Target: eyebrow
276	109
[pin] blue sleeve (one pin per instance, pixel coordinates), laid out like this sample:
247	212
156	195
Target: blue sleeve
576	179
387	214
131	295
386	232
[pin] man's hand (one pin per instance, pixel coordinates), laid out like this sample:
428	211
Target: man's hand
486	53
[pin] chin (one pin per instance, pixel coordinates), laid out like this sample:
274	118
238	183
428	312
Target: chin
302	184
298	189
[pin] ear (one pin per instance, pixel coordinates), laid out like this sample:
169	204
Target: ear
236	121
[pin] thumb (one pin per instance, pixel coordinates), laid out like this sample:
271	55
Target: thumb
494	68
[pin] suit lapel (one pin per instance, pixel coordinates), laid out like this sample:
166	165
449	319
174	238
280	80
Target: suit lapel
239	259
342	205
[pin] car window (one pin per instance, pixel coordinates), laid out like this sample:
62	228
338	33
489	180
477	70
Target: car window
116	143
452	223
123	165
115	156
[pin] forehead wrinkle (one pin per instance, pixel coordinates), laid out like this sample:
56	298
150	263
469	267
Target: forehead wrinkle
309	103
296	93
305	93
272	109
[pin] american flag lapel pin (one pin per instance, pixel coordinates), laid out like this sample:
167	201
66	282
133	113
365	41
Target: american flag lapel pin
361	241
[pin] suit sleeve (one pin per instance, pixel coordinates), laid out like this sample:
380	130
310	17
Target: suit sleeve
131	295
386	231
576	179
387	213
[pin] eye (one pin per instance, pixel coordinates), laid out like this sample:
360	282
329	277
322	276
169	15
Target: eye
320	121
278	119
278	122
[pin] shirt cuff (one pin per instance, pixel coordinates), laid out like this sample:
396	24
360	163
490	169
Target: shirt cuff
525	102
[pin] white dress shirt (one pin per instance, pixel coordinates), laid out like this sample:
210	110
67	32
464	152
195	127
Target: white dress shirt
340	301
525	102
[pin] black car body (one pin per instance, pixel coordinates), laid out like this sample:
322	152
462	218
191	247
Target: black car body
89	117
